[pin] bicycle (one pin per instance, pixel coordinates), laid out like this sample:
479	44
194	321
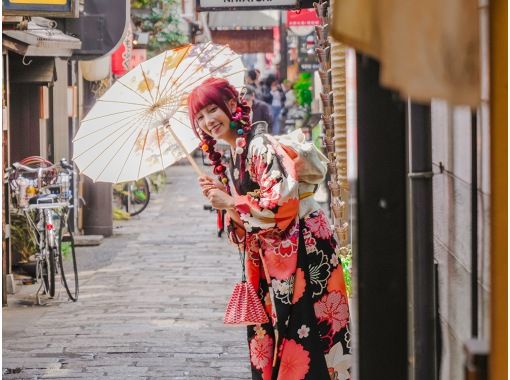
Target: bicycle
43	195
132	196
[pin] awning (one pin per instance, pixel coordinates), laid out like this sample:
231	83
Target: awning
243	20
34	70
38	41
427	49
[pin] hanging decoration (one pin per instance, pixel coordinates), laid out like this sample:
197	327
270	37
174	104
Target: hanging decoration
334	118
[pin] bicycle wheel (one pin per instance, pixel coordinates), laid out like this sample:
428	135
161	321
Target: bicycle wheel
139	196
67	261
48	272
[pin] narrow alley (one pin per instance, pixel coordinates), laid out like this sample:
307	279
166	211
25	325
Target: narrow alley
154	312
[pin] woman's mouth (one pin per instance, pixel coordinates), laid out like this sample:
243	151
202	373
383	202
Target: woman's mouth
215	128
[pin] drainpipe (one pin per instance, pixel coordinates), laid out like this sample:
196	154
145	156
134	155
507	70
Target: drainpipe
474	226
421	256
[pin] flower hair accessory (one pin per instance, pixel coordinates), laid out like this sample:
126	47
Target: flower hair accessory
240	123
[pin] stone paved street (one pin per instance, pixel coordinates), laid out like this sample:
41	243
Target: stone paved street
154	311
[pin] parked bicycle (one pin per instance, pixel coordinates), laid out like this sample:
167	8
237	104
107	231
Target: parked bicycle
132	197
44	195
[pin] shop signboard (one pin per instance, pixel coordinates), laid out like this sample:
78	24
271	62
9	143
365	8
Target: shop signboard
307	58
245	5
52	8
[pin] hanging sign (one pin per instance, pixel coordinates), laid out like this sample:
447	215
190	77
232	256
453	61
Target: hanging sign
303	17
54	8
307	58
245	5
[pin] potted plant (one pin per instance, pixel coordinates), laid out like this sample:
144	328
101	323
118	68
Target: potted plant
23	243
303	90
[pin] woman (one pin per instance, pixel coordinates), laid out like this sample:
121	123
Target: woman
289	247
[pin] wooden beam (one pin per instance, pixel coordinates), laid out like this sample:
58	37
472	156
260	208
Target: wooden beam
498	365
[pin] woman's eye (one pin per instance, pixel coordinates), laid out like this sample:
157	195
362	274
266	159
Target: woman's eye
212	109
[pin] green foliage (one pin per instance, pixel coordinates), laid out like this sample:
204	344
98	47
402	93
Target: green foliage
119	214
157	180
346	259
161	21
22	239
66	249
303	90
137	4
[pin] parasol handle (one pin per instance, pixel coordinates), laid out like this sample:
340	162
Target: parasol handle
188	156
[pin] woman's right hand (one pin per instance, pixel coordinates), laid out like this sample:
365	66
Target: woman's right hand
207	184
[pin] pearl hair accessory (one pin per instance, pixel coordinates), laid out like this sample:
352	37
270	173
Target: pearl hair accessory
240	144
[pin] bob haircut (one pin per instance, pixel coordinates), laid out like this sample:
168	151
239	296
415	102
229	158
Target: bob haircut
212	91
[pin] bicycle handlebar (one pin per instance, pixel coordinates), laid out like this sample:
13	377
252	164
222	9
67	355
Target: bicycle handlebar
18	166
64	164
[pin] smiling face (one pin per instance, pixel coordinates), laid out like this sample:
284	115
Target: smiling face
215	122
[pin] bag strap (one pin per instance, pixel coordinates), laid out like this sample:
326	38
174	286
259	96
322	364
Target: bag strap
242	254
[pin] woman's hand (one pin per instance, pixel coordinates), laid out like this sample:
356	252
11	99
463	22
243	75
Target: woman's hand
220	200
207	184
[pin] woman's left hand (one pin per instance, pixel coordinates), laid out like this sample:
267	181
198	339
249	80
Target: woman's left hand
220	200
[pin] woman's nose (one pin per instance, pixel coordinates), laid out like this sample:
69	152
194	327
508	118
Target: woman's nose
208	120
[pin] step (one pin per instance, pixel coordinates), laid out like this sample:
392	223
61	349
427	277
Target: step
87	240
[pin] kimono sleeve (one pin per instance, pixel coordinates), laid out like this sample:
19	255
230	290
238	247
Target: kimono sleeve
275	204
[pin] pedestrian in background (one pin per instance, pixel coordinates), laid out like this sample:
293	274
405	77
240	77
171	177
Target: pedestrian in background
290	97
260	111
285	242
277	102
265	90
290	102
253	79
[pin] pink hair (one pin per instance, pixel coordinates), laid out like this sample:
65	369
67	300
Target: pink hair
212	91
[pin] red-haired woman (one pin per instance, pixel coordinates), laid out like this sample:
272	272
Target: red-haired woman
290	256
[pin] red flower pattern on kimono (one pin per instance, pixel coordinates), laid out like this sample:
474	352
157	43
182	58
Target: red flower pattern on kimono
334	309
287	247
270	199
280	267
261	351
295	361
319	226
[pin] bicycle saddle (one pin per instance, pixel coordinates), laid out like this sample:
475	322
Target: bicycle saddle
43	199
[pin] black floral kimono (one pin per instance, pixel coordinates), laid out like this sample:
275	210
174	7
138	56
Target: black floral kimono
291	261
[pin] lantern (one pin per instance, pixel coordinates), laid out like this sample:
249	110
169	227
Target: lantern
122	56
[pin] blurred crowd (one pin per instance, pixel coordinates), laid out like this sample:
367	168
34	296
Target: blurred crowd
271	100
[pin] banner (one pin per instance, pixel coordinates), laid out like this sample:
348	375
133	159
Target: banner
235	5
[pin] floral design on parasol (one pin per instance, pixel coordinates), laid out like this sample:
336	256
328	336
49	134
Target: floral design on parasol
140	125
